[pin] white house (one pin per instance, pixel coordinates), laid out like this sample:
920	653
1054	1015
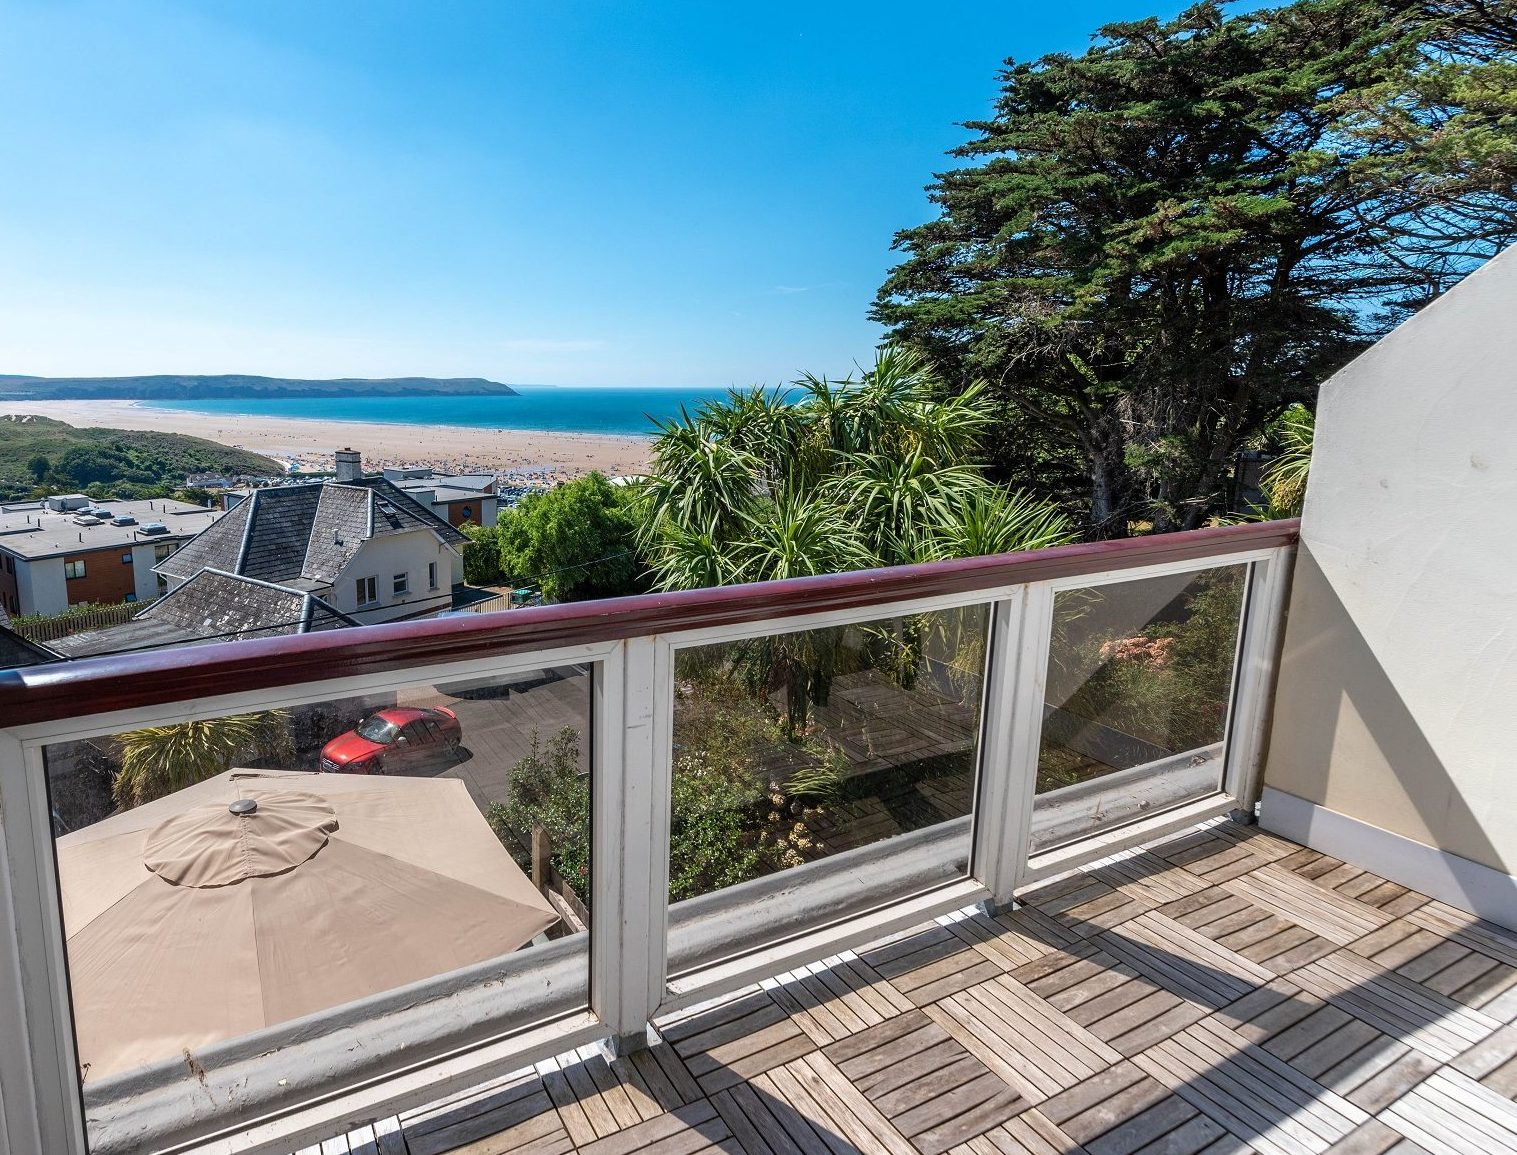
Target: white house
365	547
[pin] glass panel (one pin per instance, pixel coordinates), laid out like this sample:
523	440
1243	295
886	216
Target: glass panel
223	876
798	750
1140	678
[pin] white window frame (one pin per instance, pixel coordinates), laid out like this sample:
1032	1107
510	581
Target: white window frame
400	584
431	575
371	584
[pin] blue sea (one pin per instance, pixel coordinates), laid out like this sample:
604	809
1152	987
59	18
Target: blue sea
551	408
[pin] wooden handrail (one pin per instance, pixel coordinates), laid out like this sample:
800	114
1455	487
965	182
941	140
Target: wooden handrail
127	681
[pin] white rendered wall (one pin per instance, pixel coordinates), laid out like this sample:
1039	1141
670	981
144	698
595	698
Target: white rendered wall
40	586
382	558
1397	699
142	571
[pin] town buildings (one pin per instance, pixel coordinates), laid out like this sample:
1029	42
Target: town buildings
69	549
359	543
457	498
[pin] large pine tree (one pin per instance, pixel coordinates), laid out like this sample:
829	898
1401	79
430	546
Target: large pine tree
1164	242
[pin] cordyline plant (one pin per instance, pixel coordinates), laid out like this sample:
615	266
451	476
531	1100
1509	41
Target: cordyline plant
831	476
159	760
827	477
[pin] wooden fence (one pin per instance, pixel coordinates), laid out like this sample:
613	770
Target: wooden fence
78	621
490	605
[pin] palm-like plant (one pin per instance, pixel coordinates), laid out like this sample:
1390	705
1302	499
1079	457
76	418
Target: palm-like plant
1284	480
832	476
158	760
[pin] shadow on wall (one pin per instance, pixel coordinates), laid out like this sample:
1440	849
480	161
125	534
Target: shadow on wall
1345	739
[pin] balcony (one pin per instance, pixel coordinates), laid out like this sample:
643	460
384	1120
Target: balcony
955	857
929	738
1224	990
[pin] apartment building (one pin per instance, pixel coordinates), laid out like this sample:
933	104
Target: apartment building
69	549
457	498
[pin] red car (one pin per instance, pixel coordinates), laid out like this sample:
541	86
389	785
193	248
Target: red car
394	741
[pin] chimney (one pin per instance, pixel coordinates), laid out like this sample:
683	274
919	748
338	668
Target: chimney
349	464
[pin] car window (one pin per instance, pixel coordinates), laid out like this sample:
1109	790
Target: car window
377	729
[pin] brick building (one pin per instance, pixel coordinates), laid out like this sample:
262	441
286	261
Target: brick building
67	550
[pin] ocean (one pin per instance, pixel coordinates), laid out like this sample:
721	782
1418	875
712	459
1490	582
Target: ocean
549	408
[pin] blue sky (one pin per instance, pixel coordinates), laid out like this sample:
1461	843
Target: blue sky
558	192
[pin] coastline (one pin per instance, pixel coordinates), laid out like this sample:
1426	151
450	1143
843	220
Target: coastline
310	443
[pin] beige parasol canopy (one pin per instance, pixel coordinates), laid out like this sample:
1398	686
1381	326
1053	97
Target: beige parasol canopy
263	895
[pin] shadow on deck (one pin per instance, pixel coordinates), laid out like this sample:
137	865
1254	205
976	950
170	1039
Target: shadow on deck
1220	992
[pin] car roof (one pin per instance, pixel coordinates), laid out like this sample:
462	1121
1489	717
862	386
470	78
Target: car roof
400	715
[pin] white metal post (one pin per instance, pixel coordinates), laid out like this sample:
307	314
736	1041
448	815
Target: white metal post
1028	690
38	1084
629	858
1258	655
994	859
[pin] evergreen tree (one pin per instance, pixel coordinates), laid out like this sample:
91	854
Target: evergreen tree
1166	241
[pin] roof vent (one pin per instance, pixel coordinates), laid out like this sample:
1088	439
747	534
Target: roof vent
154	527
86	519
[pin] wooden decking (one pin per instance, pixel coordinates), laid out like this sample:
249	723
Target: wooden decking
1218	993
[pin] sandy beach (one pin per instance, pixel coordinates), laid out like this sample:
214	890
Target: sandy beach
524	454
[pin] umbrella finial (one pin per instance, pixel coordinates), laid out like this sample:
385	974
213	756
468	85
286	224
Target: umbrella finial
244	806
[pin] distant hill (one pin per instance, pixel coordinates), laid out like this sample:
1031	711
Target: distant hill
40	451
197	387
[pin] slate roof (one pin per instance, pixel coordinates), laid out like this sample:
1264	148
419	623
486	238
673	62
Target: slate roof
304	533
18	651
213	606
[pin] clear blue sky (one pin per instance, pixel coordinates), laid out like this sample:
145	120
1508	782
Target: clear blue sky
570	193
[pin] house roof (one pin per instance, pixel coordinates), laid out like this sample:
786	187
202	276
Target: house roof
30	530
16	650
213	606
305	533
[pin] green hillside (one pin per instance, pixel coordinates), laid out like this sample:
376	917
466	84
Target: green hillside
41	452
201	387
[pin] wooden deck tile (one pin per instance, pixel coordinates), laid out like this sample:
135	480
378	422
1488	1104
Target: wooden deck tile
734	1042
1423	1019
931	1089
1300	901
1451	1114
1448	966
995	940
1352	882
698	1127
931	965
1211	858
1475	933
1219	994
1372	1138
1183	962
1259	1099
1148	878
520	1115
1260	936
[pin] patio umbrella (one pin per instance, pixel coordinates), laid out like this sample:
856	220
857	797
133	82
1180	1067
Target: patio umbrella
259	896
